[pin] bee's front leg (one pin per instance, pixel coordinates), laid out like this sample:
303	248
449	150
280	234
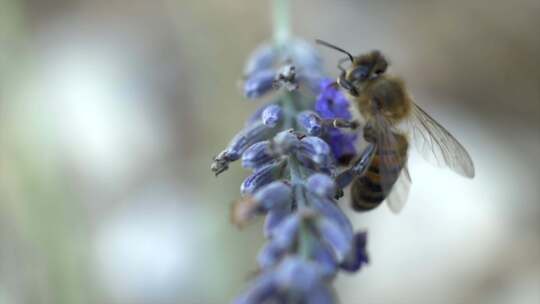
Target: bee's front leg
343	123
346	177
347	85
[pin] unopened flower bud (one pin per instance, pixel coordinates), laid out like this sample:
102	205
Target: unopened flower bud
259	83
258	155
261	177
272	115
311	122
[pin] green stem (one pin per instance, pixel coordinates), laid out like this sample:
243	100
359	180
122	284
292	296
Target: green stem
290	111
306	241
281	10
306	237
295	171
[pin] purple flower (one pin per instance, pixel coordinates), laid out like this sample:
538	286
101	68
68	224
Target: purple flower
292	149
331	103
358	255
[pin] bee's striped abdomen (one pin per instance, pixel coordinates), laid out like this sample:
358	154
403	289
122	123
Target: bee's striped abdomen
369	190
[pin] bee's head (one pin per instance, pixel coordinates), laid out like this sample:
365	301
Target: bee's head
366	67
363	67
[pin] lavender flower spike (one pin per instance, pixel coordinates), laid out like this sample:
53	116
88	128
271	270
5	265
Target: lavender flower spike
294	154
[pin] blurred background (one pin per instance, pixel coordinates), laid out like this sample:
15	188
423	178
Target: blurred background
110	113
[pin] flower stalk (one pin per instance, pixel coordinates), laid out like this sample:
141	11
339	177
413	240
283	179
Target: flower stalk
281	23
294	154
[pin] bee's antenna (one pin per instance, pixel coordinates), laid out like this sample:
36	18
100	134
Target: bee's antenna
319	41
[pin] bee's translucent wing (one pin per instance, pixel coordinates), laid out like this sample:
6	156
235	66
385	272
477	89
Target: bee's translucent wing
400	192
437	145
394	183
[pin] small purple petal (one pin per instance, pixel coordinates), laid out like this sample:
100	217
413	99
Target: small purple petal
261	177
269	255
297	275
331	211
262	58
304	55
320	295
335	236
272	115
286	141
274	195
322	185
358	255
273	219
311	122
263	289
258	155
247	137
256	116
343	144
259	83
315	150
326	260
286	232
331	102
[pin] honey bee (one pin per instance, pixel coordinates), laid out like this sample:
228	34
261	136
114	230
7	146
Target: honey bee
391	118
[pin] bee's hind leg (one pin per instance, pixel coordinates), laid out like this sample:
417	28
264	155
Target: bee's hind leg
346	177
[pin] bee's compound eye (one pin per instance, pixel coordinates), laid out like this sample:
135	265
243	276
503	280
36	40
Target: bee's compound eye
360	73
380	70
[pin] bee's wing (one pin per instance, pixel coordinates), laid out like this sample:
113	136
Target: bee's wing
397	189
437	145
400	192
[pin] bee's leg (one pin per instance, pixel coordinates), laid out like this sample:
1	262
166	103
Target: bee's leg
346	177
347	85
342	123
